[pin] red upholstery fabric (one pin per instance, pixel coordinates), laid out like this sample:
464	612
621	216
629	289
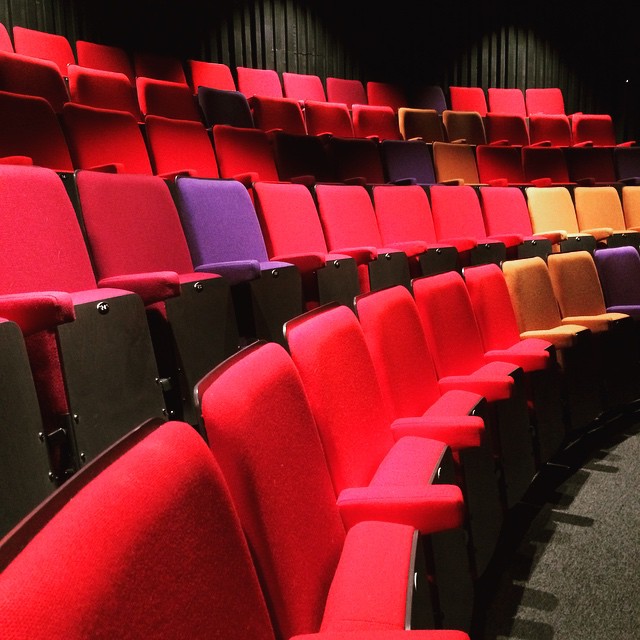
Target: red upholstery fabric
210	74
594	129
506	101
244	152
102	89
497	163
137	534
99	137
105	57
29	127
180	146
6	44
167	99
259	82
44	45
468	99
555	128
132	223
506	127
33	77
283	114
371	121
548	100
545	163
34	312
303	86
158	66
387	94
328	118
347	91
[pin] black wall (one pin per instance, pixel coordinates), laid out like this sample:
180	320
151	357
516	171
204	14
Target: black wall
592	55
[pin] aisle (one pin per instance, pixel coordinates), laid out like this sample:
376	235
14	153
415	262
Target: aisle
569	566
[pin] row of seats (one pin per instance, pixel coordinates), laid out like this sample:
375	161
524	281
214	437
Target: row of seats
399	484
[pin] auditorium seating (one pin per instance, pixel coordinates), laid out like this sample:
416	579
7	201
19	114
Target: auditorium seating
136	240
397	344
259	82
423	124
347	91
429	96
467	127
455	343
281	114
167	99
6	43
552	128
328	119
404	216
591	165
619	274
106	57
468	99
102	89
455	162
386	94
158	66
375	121
363	454
595	129
350	227
223	234
509	101
216	75
303	86
71	322
506	128
37	43
293	233
407	162
271	454
544	100
356	160
222	106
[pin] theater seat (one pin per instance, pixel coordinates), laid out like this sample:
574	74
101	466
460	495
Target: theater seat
330	354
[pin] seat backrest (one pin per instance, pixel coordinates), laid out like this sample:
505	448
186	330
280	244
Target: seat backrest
99	137
380	122
159	66
347	215
331	355
594	164
492	306
430	96
345	91
425	124
6	43
289	219
554	128
356	158
33	77
506	101
394	335
631	206
180	145
46	251
216	75
403	214
598	207
386	94
531	293
219	221
283	114
29	127
332	118
261	429
545	162
575	283
106	57
594	128
551	208
244	151
407	160
456	212
302	86
221	106
167	99
132	224
507	127
125	497
548	100
259	82
619	274
45	45
102	89
505	210
449	323
453	161
464	126
468	99
500	163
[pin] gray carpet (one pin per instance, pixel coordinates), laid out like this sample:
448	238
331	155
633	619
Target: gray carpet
568	566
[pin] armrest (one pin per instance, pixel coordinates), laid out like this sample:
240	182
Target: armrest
37	311
459	432
305	262
151	287
491	387
234	271
111	167
428	508
599	233
22	160
361	255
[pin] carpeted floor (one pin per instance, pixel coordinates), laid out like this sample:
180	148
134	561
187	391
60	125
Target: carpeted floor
568	565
